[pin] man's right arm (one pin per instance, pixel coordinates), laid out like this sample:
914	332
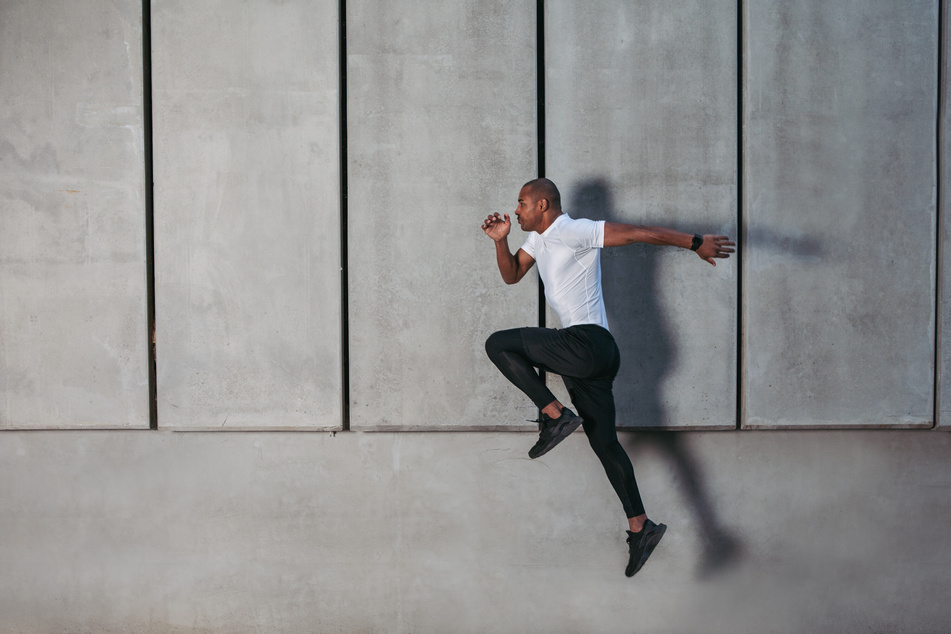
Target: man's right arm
512	267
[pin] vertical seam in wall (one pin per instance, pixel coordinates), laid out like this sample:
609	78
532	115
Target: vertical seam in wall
540	132
149	205
540	82
740	224
344	233
939	215
540	127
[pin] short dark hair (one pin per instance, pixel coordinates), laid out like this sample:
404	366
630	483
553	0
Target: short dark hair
544	188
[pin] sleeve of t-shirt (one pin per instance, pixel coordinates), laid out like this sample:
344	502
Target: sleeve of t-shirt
589	233
529	246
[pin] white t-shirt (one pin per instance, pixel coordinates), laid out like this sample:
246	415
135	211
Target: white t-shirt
569	262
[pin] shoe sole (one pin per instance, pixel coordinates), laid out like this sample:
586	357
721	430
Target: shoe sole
652	540
565	431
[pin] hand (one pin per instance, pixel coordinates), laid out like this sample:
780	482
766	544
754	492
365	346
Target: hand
497	227
715	247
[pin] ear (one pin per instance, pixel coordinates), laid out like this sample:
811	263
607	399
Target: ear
543	204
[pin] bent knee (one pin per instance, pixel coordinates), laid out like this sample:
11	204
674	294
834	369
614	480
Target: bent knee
503	340
494	344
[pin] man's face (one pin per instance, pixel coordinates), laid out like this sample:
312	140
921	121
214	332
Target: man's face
528	212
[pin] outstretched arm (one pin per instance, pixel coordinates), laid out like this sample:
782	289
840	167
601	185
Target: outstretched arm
512	267
618	234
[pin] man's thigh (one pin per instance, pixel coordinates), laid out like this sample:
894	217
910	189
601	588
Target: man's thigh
558	351
594	396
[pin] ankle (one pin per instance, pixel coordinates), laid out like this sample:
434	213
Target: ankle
553	410
636	524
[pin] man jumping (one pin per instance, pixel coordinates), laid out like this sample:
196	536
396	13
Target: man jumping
583	352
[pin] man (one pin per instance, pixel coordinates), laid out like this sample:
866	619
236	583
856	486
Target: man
583	351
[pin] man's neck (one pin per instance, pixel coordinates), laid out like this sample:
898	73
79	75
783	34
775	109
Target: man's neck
548	220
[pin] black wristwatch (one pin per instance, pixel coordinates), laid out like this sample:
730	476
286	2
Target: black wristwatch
697	241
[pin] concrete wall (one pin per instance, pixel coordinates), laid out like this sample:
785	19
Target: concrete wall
829	182
944	246
73	317
840	200
642	128
441	132
837	206
247	214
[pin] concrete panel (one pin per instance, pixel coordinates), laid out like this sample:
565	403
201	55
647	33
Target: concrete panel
641	128
441	132
247	214
944	227
73	293
839	196
303	532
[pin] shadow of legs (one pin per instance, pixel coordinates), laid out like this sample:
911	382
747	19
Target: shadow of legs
721	549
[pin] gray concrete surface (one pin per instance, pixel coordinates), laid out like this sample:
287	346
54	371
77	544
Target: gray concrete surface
944	228
247	214
441	132
839	202
307	532
641	128
154	531
73	335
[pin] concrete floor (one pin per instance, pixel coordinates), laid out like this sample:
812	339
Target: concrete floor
360	532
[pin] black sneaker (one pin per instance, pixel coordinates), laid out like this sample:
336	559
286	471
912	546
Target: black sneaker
642	545
554	430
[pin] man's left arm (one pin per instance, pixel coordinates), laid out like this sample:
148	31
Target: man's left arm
712	247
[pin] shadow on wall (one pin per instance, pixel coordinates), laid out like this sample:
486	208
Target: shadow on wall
648	351
629	279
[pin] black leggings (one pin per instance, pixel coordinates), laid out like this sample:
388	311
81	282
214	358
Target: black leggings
587	359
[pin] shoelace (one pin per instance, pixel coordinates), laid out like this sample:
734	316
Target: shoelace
542	421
